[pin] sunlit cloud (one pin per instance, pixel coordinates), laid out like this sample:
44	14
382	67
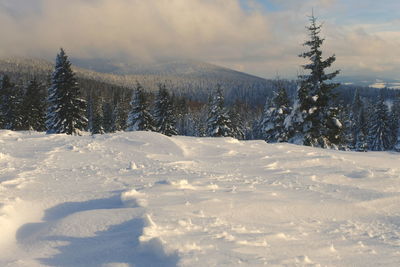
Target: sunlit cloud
262	37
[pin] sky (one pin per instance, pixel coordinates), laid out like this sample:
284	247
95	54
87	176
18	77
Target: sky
261	37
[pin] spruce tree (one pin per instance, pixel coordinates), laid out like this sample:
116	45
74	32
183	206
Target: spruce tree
164	112
108	117
34	107
357	108
10	105
396	146
97	117
379	129
236	125
316	123
182	115
5	99
139	119
395	120
360	133
90	113
120	117
275	113
218	122
66	108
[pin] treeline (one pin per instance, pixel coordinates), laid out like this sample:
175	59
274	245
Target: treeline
370	120
59	106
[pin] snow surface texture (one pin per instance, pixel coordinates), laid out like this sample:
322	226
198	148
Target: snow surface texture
143	199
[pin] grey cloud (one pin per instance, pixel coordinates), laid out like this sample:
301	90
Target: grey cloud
218	31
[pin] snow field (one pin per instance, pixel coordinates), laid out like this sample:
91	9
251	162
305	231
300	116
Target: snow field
143	199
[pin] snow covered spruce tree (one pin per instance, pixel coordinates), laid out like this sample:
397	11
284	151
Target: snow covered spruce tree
273	122
139	119
34	107
10	105
164	112
360	130
96	116
66	108
236	125
379	137
396	146
395	121
314	119
358	125
218	122
108	117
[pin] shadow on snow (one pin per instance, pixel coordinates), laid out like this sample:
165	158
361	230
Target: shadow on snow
118	244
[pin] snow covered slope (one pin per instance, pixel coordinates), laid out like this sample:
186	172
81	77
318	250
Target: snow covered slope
143	199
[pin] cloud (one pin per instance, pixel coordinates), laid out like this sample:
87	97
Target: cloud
262	37
140	29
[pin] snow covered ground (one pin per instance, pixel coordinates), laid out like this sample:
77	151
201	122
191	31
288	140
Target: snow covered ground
143	199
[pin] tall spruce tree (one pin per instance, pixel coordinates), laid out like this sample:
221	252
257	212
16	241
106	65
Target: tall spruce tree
315	122
218	122
66	108
139	119
34	107
164	112
379	128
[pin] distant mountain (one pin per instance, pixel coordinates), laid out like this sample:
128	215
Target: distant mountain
190	78
182	68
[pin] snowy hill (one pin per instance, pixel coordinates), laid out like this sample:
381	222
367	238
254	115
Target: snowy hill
143	199
188	68
191	78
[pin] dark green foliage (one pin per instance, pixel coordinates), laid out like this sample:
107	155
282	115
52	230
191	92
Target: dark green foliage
379	128
316	123
95	115
34	107
236	125
164	112
66	111
273	123
139	119
108	117
10	105
218	122
395	121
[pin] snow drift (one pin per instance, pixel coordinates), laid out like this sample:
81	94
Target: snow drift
143	199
